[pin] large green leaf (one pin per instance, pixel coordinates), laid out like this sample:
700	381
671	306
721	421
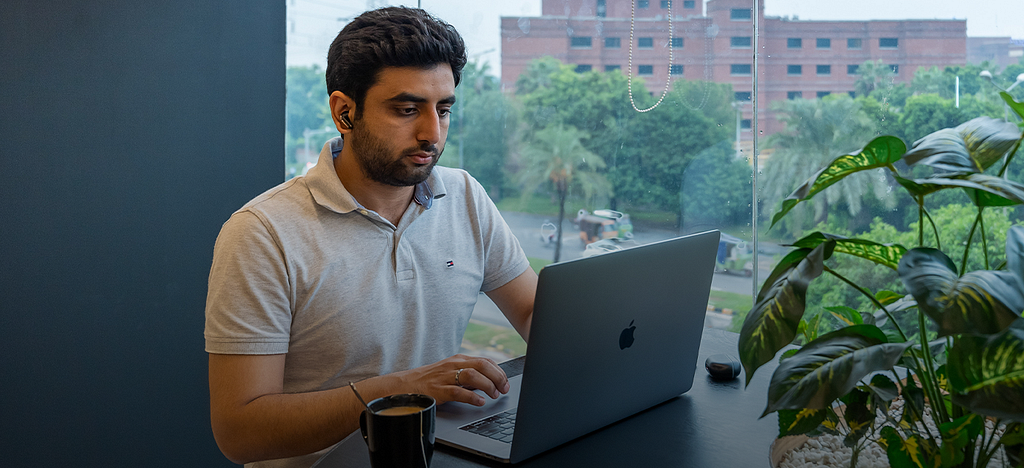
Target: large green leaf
987	372
1015	252
1017	107
970	148
956	434
772	323
882	254
830	367
996	191
913	452
880	152
978	302
801	421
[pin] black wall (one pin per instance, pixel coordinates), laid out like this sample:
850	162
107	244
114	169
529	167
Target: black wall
129	132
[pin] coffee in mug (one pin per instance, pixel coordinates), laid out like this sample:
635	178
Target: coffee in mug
399	430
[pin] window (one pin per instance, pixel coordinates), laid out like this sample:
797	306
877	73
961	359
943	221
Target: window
745	124
852	69
612	43
609	68
675	70
688	4
824	69
822	94
602	9
895	69
643	3
583	68
740	14
794	70
645	70
794	95
741	96
645	42
579	42
823	43
740	42
665	4
853	43
739	69
794	43
677	43
888	42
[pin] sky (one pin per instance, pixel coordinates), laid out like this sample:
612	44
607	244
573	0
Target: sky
313	24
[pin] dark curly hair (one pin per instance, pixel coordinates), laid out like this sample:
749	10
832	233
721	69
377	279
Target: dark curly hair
390	37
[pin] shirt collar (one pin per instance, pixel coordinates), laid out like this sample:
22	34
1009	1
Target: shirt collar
329	192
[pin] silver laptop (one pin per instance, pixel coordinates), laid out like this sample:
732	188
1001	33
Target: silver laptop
612	335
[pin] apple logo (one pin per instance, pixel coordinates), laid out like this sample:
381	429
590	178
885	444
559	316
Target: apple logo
626	337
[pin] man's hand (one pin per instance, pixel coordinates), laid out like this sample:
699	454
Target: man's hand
453	379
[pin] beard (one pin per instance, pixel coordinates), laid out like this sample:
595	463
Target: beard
382	164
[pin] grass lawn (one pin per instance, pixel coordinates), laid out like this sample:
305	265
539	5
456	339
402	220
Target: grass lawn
727	300
491	338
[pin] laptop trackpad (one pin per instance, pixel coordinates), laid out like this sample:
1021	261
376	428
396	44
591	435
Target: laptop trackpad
453	415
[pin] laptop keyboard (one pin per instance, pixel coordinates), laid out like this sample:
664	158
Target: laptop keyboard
498	427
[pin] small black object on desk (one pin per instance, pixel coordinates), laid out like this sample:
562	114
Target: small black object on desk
722	366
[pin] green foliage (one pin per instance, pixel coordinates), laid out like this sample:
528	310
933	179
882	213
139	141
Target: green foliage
716	187
975	369
307	108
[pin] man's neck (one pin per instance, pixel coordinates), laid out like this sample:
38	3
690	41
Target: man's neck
386	200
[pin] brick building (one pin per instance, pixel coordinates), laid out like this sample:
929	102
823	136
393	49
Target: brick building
805	59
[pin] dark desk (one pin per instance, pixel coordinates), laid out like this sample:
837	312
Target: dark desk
713	425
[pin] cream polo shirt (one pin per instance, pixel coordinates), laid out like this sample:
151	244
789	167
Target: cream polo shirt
304	270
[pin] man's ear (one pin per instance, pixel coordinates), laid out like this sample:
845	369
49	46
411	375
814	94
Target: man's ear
342	104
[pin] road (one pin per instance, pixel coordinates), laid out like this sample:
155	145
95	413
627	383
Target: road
527	228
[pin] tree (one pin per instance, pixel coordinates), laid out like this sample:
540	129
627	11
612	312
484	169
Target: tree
481	129
817	131
716	188
556	154
872	76
306	107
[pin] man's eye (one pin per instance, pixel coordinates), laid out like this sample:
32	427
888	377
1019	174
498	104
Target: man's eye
444	112
407	110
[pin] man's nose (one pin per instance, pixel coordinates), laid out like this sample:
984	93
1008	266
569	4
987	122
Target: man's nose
429	128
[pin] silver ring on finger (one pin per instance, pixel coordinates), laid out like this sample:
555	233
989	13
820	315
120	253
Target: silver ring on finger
458	373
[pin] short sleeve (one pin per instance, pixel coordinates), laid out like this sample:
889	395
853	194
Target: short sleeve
505	259
248	307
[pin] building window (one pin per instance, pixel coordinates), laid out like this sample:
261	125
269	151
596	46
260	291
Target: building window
824	69
645	42
665	4
895	69
739	69
794	69
745	124
675	70
740	14
579	42
852	69
688	4
740	42
645	70
822	94
602	9
612	43
794	43
823	43
677	43
643	3
888	42
794	95
609	68
741	95
853	44
583	68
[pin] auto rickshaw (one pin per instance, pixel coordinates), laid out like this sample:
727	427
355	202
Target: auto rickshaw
603	224
734	256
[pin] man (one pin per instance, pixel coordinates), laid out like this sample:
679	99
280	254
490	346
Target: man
365	270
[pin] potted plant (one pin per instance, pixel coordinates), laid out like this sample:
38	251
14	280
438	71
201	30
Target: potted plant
961	361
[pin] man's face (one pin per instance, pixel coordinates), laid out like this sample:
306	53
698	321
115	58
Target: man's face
399	134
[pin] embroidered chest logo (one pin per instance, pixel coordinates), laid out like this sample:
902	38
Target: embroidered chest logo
450	264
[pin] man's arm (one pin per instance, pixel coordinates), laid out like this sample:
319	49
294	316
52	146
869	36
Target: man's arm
515	299
253	420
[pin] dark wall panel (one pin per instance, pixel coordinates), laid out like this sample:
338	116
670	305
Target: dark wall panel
130	131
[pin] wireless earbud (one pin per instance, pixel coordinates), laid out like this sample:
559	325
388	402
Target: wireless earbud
345	120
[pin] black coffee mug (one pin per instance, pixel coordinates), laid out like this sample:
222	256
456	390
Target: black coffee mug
399	430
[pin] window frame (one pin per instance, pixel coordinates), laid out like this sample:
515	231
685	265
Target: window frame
573	42
794	43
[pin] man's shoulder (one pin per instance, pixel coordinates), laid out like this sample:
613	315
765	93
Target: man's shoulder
457	181
284	197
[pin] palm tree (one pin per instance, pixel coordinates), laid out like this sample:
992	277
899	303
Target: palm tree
556	154
872	76
818	131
